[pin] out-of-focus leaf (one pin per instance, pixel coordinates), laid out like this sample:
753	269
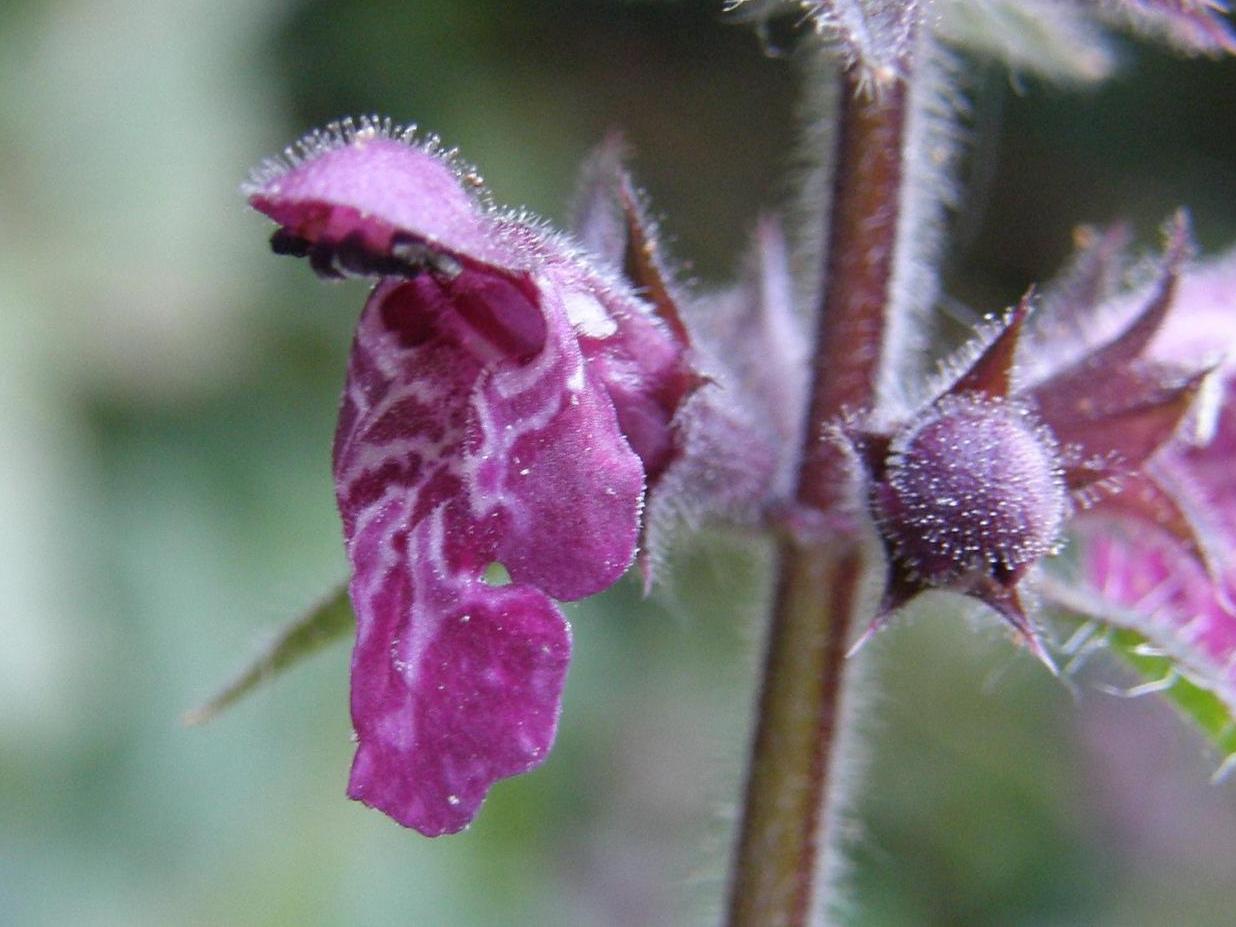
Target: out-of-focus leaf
1199	705
1106	626
326	622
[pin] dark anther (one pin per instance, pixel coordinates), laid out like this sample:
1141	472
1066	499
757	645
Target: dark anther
322	260
284	242
409	251
352	257
412	257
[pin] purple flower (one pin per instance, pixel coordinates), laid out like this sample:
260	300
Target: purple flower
972	489
1174	584
509	400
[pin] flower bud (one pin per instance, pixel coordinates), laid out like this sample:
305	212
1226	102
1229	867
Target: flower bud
976	486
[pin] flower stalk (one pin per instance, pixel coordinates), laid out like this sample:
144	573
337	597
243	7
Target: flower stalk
779	867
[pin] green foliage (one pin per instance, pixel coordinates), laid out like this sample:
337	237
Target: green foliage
326	622
1114	630
1201	706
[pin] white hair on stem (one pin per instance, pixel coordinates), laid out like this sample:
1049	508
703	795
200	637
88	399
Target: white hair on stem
934	138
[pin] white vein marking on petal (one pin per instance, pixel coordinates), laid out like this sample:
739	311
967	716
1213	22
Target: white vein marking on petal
587	316
512	381
575	382
498	441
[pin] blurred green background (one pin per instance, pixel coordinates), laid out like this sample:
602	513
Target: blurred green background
167	396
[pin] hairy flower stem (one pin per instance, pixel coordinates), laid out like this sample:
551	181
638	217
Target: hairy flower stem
777	876
777	864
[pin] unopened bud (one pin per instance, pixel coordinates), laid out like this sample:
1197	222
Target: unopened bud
977	486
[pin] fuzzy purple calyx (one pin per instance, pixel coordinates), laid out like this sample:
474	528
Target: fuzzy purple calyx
976	486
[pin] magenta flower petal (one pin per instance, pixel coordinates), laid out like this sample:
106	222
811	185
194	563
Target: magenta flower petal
510	400
458	448
373	197
454	685
1172	602
504	401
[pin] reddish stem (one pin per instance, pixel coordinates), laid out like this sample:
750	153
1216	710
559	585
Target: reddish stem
857	274
777	863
